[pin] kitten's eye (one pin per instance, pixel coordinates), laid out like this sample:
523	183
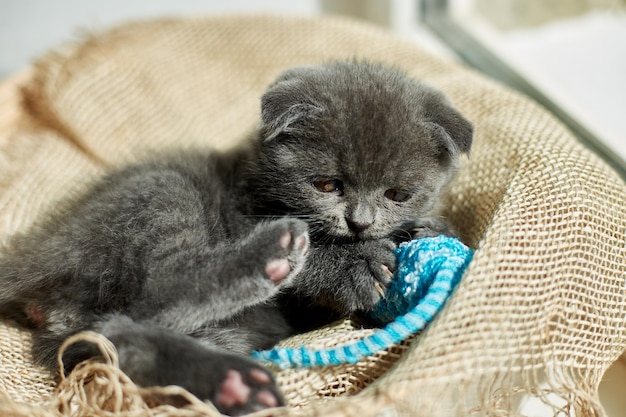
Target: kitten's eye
398	196
329	186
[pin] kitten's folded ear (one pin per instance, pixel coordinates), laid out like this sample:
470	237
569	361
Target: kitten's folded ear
288	103
455	131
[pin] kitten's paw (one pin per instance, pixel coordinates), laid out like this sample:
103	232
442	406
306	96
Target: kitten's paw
152	356
372	272
283	246
245	388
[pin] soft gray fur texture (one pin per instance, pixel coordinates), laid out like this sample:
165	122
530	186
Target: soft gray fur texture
189	262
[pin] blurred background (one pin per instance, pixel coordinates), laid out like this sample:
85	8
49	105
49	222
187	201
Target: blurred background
568	55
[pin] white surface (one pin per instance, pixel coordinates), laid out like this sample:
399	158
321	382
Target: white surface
578	63
582	62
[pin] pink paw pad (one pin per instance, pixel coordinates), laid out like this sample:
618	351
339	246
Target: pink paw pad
233	390
260	376
285	240
277	270
267	399
302	244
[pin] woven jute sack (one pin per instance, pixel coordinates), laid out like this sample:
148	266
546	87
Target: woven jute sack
541	311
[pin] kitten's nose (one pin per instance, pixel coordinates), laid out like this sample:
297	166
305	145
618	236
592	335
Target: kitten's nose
360	216
357	226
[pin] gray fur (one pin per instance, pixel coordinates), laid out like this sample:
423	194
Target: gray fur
169	258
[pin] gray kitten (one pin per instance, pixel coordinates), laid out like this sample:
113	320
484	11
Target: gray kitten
188	262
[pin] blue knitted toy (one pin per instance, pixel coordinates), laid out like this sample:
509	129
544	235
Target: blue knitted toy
427	272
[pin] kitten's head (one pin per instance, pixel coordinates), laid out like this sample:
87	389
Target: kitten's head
357	148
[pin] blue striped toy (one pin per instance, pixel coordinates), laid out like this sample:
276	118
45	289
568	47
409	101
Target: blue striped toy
427	272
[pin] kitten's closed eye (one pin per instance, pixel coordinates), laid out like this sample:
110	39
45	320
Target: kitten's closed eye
399	196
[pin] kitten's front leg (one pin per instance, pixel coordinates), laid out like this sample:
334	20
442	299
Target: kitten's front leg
347	277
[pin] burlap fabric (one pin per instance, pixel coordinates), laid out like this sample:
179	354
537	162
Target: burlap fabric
540	312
